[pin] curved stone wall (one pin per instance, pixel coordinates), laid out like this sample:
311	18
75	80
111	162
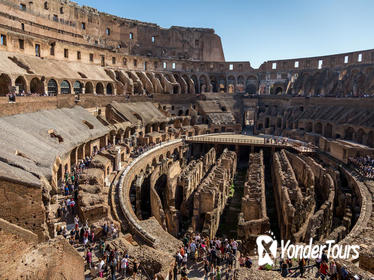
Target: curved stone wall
139	165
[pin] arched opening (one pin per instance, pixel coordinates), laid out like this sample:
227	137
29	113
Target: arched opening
213	82
36	86
175	155
267	122
5	83
146	199
251	85
361	136
187	80
65	87
160	187
349	133
309	127
180	81
203	84
89	87
78	87
231	84
52	88
328	130
318	128
132	195
279	123
278	91
109	89
222	84
370	141
99	88
21	84
178	197
196	83
251	89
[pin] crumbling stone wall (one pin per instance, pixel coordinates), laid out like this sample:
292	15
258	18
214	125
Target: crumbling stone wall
306	182
253	219
320	223
191	177
211	196
23	206
288	197
92	203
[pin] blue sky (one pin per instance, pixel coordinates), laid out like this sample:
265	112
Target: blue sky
260	30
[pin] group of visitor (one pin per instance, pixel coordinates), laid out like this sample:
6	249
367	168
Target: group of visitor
325	268
217	255
364	164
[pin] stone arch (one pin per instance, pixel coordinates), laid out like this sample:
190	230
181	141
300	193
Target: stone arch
328	130
309	127
181	82
318	128
349	133
196	83
161	158
145	197
161	189
241	80
214	83
5	84
109	89
52	87
99	88
176	154
21	84
267	122
78	87
251	85
361	136
36	86
89	87
65	87
231	80
222	85
279	123
370	141
203	80
187	80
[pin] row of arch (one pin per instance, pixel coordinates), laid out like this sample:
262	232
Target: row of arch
360	135
219	83
52	86
181	84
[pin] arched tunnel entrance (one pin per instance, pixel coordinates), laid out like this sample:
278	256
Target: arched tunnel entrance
160	187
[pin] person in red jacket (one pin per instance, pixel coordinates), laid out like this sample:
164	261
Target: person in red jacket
323	269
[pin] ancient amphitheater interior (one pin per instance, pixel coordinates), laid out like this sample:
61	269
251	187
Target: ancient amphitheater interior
123	142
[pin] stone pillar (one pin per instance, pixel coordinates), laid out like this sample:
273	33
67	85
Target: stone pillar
117	164
138	185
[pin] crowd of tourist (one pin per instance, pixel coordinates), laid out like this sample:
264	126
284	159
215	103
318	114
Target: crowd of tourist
321	268
218	257
364	164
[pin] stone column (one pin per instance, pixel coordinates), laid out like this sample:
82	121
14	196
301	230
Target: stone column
118	164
